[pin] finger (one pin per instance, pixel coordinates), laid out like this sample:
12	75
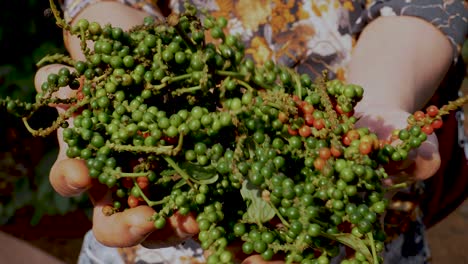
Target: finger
42	74
427	160
382	121
41	77
122	229
257	259
69	177
422	163
134	226
235	247
179	228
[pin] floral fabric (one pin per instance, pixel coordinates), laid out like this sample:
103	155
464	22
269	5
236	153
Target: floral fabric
408	248
72	8
311	35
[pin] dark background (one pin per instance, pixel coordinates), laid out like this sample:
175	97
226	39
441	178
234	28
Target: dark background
26	36
29	207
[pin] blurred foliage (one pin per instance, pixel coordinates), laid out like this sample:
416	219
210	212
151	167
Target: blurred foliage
26	35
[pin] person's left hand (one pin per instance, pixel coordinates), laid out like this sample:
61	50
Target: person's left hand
421	164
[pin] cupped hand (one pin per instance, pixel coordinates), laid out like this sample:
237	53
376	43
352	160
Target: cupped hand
422	163
257	259
69	177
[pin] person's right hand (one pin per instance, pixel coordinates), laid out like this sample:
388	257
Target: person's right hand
69	177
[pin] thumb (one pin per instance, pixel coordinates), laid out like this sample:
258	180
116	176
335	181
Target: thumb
427	160
179	228
68	177
257	259
42	75
421	164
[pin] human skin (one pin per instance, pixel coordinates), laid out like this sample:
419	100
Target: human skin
400	62
398	68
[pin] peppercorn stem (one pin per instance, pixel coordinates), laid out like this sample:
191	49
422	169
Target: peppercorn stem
132	174
176	167
277	212
245	84
372	245
400	185
148	201
83	43
158	150
453	105
327	103
56	124
56	58
236	75
297	80
167	80
59	21
186	90
174	21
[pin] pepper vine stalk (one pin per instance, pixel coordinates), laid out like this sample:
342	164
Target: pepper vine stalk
145	198
59	20
61	119
56	58
158	150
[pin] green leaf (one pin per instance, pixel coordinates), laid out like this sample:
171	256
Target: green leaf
353	242
167	173
22	192
3	218
179	184
44	189
259	210
62	204
200	174
8	211
38	213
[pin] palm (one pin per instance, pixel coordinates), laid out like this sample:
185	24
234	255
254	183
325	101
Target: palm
422	162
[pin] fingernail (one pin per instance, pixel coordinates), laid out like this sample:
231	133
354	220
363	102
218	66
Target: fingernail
76	187
138	232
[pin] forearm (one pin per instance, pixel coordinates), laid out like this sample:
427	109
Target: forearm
399	61
105	12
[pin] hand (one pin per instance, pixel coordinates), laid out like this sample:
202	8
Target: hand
239	257
69	177
257	259
422	162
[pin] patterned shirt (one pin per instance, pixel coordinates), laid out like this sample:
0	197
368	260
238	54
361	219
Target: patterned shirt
311	35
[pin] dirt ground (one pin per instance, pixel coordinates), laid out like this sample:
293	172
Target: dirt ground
449	239
58	236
